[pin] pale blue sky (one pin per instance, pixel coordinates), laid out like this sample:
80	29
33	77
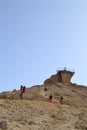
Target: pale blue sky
37	37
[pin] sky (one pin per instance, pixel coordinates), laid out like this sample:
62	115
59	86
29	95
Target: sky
38	37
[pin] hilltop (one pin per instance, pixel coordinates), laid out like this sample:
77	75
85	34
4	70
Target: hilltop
34	112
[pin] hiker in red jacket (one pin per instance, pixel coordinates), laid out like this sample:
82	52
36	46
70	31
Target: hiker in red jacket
50	98
23	90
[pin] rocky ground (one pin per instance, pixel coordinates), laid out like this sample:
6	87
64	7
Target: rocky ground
34	112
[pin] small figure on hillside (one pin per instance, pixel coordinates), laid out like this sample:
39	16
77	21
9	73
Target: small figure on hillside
21	87
23	90
45	89
50	98
61	99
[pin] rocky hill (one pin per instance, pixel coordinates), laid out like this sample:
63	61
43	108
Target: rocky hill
35	112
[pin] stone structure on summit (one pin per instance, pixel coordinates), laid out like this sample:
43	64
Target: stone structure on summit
62	76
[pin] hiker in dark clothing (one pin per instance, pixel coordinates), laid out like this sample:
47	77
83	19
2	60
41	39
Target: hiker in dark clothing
23	89
45	89
61	99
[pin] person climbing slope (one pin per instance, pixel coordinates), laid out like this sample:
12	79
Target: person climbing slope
50	98
61	99
23	90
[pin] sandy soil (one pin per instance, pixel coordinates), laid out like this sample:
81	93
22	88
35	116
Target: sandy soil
36	113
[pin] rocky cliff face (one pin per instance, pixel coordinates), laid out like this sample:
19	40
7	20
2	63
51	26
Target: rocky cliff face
34	112
62	76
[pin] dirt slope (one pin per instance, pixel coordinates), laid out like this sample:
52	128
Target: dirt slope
36	113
